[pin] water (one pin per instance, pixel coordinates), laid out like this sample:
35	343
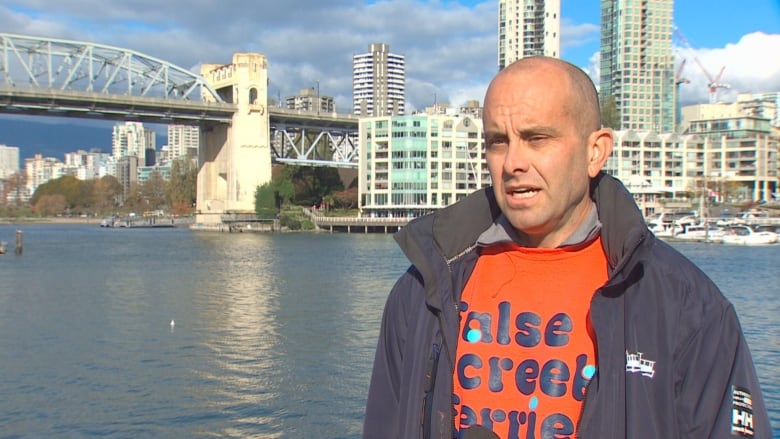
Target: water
274	334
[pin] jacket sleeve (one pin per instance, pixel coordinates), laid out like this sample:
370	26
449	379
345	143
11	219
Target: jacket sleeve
383	410
717	389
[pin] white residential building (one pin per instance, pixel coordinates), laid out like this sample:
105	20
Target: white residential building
528	28
40	170
9	161
183	141
89	165
378	82
132	139
735	159
411	165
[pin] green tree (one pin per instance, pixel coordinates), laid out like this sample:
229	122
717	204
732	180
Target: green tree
610	115
313	184
265	201
285	191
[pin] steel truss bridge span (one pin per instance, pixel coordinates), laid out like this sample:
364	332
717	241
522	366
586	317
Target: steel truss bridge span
309	138
76	65
64	78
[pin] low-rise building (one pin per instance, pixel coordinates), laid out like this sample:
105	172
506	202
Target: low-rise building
412	165
726	159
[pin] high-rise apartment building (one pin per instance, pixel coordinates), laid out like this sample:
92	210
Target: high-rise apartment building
9	161
132	139
637	63
528	28
183	141
378	82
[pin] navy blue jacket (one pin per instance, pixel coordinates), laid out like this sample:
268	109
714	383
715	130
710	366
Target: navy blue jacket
656	302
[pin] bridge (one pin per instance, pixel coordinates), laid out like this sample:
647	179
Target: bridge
241	136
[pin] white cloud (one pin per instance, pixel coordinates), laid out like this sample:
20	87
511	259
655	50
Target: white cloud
450	48
750	66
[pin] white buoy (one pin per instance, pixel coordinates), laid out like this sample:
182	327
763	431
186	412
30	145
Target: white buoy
173	324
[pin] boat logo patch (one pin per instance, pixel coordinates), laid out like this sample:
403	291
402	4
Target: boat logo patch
637	363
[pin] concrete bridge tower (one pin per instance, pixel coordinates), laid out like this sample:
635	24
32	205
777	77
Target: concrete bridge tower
235	159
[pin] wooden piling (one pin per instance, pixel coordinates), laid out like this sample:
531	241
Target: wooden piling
18	242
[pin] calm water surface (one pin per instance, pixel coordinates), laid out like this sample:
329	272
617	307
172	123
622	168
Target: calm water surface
274	334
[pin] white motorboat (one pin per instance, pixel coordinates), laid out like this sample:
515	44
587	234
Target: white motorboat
702	232
745	235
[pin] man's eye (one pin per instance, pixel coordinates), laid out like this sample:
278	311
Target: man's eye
496	144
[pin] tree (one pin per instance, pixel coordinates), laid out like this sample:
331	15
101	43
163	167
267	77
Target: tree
610	115
16	187
312	184
51	204
134	199
153	192
106	192
265	201
346	199
73	189
182	186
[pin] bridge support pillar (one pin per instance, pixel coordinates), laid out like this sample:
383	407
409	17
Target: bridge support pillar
235	159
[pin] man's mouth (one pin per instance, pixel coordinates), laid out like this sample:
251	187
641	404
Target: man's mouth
524	193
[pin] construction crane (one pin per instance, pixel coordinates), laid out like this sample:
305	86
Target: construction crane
713	83
678	80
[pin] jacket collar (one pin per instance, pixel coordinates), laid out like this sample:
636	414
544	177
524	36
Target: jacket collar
454	231
502	231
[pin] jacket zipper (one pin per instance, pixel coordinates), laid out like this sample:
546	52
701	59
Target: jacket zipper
430	380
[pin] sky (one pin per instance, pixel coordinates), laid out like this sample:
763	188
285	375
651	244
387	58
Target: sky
450	45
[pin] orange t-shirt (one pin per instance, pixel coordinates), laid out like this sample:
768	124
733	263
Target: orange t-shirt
526	348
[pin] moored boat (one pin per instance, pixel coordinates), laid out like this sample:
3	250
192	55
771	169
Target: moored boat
702	232
746	235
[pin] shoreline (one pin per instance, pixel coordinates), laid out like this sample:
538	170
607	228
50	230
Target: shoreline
73	220
33	220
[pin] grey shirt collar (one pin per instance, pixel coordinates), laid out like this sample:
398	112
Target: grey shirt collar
502	231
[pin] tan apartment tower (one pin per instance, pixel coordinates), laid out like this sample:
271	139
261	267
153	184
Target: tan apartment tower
528	28
378	82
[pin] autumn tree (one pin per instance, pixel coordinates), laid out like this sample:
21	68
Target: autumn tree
346	199
106	192
182	186
73	189
153	192
51	204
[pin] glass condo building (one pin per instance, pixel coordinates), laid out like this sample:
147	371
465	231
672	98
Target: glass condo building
412	165
637	62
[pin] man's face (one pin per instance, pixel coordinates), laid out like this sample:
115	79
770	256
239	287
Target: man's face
537	155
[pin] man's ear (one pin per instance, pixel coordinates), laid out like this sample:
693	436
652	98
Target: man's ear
599	150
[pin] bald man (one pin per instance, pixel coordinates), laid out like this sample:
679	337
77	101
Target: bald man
543	307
